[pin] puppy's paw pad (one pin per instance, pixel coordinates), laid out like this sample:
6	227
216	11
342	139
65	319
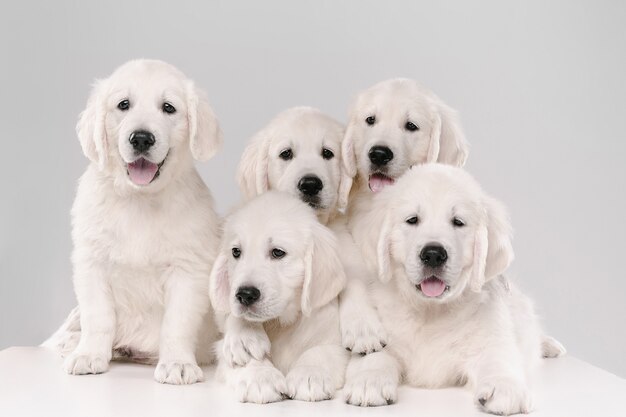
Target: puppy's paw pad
308	383
178	373
363	335
240	348
261	385
85	363
504	397
370	389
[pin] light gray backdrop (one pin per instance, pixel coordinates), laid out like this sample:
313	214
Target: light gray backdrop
539	85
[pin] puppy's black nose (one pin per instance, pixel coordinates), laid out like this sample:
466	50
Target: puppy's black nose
380	155
141	140
433	255
310	185
248	295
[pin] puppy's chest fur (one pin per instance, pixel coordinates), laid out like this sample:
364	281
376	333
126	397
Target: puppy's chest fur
435	348
291	341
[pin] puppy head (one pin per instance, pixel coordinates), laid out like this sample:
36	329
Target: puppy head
440	234
298	153
396	124
276	261
145	122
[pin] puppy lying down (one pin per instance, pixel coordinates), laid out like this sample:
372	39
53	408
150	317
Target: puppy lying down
275	282
440	245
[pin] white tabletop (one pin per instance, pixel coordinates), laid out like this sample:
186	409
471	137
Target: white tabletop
32	383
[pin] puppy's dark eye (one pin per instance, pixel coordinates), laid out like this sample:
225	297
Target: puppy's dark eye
327	154
278	253
123	105
286	155
412	220
168	108
456	222
370	120
236	253
411	127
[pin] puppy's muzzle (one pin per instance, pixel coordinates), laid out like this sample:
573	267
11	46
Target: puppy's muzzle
248	295
142	140
433	255
310	185
380	155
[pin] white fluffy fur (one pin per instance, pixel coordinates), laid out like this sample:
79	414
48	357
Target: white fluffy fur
393	103
142	254
481	331
297	310
307	131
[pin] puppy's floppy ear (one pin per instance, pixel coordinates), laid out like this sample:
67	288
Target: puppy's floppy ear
383	251
447	143
91	127
205	135
493	250
324	276
219	284
348	165
252	173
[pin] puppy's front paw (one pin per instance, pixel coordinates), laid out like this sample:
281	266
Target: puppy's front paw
363	334
79	363
239	347
308	383
503	397
261	385
552	348
177	373
371	389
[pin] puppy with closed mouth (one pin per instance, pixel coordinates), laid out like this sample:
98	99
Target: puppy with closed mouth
440	248
278	268
299	152
144	230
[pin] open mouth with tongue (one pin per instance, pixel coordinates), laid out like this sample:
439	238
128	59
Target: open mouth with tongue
378	181
433	287
143	172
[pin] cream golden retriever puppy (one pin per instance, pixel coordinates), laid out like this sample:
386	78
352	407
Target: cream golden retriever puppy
278	269
396	124
299	152
144	230
440	246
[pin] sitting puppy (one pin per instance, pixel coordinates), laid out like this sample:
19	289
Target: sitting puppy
299	152
144	230
440	245
278	268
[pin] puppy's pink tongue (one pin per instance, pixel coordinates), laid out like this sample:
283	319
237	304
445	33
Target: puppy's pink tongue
377	182
142	171
433	287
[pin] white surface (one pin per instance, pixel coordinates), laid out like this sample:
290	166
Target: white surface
32	383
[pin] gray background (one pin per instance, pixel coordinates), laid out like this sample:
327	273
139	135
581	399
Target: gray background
539	85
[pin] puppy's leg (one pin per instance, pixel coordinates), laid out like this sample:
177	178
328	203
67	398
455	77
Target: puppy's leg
66	338
551	348
372	380
243	341
256	382
186	303
97	322
361	329
317	373
500	380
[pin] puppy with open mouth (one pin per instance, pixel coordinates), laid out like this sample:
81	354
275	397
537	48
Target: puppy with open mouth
277	276
440	247
144	229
